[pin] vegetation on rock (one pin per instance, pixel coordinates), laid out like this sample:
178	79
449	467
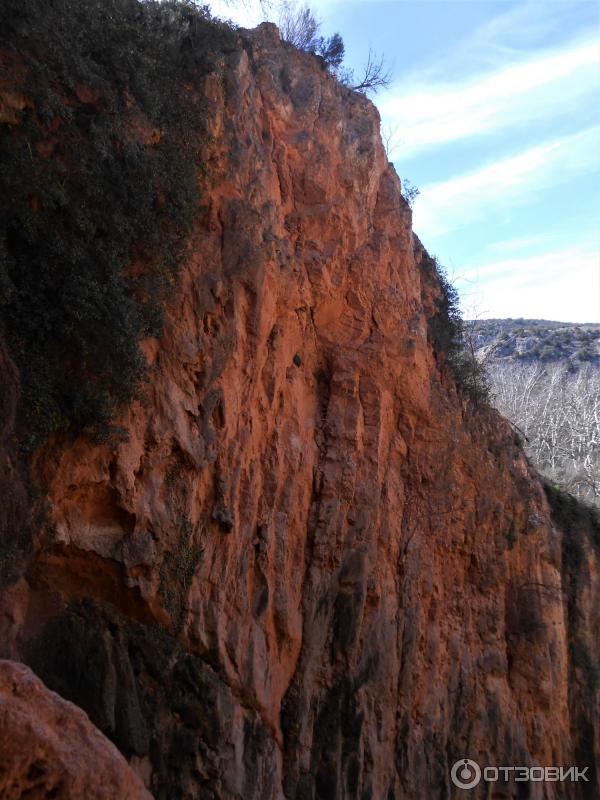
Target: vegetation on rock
534	340
98	179
446	331
545	378
300	27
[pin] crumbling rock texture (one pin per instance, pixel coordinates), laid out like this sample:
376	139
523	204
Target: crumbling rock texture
50	749
313	570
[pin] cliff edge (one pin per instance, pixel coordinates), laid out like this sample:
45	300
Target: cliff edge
311	568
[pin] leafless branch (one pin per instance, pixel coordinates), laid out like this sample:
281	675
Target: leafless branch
376	75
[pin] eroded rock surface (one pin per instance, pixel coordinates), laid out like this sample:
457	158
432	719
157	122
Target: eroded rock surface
313	570
50	749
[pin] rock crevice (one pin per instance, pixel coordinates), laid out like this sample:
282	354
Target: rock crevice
338	589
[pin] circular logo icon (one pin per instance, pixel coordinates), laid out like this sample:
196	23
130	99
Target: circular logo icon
465	773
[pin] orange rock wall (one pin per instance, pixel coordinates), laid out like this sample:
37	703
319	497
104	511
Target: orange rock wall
50	748
313	570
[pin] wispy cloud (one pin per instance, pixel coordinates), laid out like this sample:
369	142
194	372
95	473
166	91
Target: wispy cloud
561	284
506	183
541	86
525	27
522	243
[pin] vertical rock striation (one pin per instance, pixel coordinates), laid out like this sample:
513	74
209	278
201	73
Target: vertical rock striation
312	570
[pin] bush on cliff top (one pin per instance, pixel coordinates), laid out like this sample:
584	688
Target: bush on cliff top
93	215
300	27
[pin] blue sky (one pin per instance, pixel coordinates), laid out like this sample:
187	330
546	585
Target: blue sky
493	112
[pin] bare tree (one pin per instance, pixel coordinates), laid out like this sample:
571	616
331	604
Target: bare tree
559	412
375	75
389	137
300	27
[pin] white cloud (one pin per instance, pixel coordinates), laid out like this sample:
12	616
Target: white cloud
506	183
543	86
561	285
502	78
525	26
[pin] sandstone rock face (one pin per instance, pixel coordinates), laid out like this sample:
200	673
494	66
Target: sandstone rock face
313	570
49	748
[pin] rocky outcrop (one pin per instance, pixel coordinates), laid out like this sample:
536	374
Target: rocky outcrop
313	570
49	748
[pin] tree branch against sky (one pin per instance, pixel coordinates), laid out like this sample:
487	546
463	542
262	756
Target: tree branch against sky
495	111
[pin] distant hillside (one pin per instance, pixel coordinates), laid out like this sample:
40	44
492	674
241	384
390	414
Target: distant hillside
537	340
545	378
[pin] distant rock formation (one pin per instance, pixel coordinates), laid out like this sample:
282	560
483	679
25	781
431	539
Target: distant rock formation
538	340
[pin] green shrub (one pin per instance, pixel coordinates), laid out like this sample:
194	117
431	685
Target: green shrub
300	28
410	192
451	340
83	196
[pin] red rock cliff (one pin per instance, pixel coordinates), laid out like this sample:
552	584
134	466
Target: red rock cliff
313	570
